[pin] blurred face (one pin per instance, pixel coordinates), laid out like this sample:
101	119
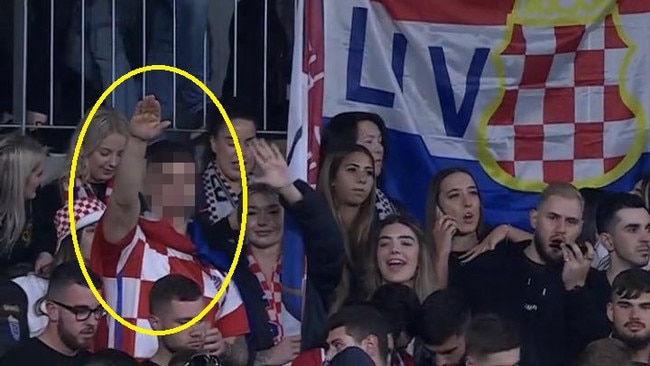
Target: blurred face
631	320
397	254
450	353
172	190
103	161
34	180
354	179
459	199
75	334
557	221
505	358
338	340
265	220
630	237
223	146
369	136
176	314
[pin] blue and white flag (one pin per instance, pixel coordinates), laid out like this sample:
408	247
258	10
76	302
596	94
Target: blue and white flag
520	92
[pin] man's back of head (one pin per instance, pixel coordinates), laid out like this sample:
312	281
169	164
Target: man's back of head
360	326
605	352
444	318
492	341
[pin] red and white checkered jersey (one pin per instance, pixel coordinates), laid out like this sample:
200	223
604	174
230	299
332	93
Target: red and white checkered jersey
153	249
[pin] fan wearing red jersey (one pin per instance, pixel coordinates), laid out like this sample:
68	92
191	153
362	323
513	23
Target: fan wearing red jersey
132	252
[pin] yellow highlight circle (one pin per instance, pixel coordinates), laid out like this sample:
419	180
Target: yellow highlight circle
242	172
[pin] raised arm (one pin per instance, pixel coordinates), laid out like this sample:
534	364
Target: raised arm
123	208
321	235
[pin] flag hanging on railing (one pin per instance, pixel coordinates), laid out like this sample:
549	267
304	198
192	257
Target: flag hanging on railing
521	93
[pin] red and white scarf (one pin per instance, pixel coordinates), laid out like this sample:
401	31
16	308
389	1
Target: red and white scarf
272	293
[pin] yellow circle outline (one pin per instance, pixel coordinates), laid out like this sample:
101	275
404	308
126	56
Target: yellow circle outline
71	182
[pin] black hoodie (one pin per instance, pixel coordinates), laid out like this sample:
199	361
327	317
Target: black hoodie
555	324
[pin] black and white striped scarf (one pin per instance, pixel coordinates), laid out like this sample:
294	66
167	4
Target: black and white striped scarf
220	199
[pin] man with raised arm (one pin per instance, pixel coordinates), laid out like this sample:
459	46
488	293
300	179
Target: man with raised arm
132	252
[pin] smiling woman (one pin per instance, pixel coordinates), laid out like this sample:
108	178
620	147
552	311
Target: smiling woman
399	256
99	156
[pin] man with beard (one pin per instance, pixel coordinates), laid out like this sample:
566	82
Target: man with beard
542	285
629	311
73	313
174	300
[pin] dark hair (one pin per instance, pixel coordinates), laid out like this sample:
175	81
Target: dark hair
110	357
433	201
606	214
605	352
67	274
342	130
361	321
444	314
400	306
234	107
644	189
172	287
631	283
488	334
166	151
592	197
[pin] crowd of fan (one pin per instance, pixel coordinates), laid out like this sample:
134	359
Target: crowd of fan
339	274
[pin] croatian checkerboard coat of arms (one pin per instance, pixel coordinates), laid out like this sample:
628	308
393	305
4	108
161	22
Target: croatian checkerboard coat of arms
564	103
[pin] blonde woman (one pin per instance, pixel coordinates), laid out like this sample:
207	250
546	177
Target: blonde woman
99	155
347	183
26	239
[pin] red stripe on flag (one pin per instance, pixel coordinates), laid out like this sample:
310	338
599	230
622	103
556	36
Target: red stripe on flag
633	6
464	12
314	67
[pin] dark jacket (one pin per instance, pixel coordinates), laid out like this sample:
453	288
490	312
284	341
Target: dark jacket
324	251
555	324
39	235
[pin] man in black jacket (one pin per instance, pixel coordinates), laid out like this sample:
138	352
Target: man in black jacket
543	284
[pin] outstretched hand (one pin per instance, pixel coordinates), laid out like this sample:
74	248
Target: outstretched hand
273	168
146	123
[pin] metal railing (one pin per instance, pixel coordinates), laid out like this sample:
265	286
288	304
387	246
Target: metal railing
21	56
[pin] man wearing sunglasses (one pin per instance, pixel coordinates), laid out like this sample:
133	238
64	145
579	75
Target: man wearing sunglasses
73	313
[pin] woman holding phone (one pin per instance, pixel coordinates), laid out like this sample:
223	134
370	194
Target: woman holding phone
454	223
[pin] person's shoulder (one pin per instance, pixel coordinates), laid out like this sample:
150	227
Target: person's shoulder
23	351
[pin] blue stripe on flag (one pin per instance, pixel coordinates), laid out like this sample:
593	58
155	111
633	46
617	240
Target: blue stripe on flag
409	167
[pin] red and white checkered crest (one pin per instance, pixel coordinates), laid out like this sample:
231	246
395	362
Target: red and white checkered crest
562	103
87	211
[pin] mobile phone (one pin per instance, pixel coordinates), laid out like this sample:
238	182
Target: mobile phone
583	247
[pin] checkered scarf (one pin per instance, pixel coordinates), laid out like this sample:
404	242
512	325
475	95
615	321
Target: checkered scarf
84	190
384	206
87	211
220	199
